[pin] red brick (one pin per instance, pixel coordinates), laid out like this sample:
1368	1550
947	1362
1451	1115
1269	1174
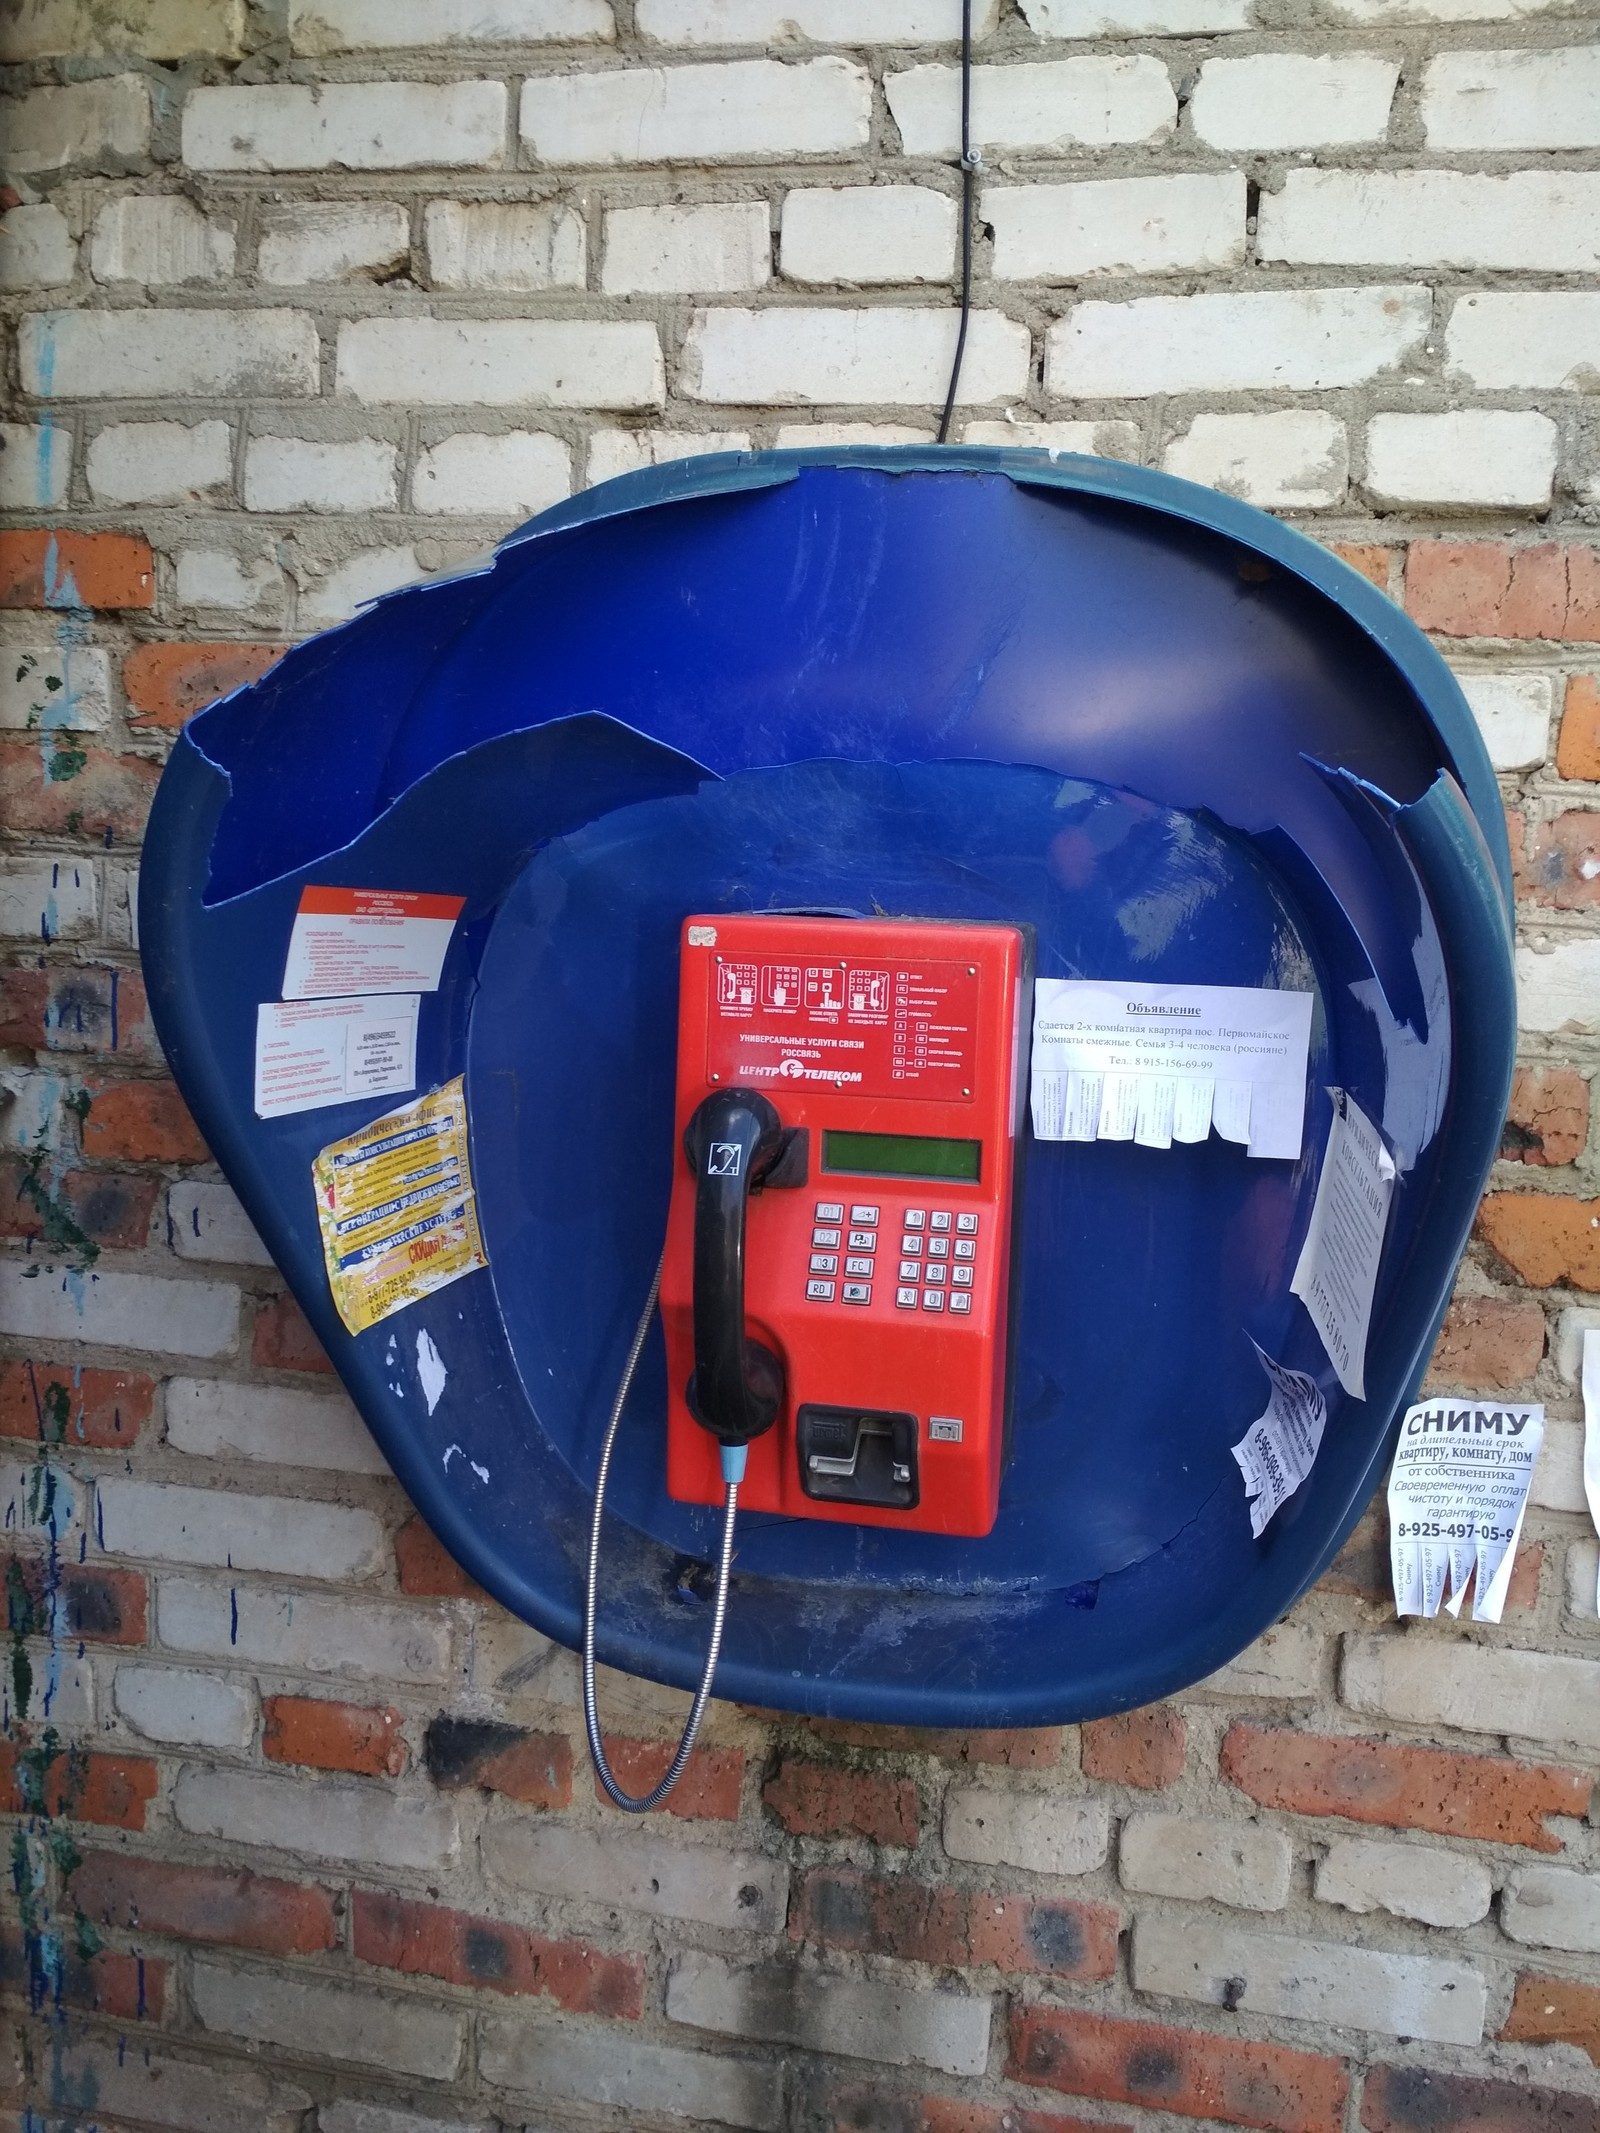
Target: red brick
113	1790
1555	2010
863	2107
1547	590
535	1768
1544	1237
1415	2099
77	1007
323	1735
1561	862
1197	2075
47	567
426	1940
892	1915
1549	1119
223	1906
128	1988
283	1339
1485	1796
68	790
65	1403
811	1800
708	1791
76	1600
1578	746
1144	1748
1372	562
110	1208
1488	1344
426	1570
1016	1747
140	1122
167	684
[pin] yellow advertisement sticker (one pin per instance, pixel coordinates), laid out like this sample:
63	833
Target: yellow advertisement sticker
395	1202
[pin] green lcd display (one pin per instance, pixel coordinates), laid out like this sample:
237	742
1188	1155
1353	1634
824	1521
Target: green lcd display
901	1155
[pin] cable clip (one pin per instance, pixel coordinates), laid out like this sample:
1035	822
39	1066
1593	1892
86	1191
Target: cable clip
972	161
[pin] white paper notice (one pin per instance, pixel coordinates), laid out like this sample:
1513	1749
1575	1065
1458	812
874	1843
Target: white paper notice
319	1052
1338	1267
1591	1432
1456	1497
1159	1063
349	941
1277	1451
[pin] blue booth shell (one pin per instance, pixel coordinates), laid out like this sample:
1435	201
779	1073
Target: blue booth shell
954	682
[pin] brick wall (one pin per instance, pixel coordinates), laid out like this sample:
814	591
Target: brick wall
312	298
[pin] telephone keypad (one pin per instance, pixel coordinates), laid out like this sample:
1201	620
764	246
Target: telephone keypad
830	1211
938	1247
826	1238
863	1240
939	1220
824	1262
961	1276
965	1248
858	1266
858	1292
819	1292
961	1301
906	1299
967	1225
924	1279
933	1299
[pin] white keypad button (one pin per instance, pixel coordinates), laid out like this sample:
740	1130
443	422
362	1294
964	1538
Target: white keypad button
858	1292
915	1218
866	1215
830	1210
826	1237
824	1263
938	1247
934	1273
967	1225
933	1299
961	1301
939	1221
965	1248
863	1240
909	1270
961	1276
911	1246
820	1291
859	1266
906	1299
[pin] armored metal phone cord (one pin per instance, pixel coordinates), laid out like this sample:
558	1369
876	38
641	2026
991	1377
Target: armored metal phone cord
733	1463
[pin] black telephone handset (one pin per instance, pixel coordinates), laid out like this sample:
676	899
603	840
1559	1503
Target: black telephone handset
734	1141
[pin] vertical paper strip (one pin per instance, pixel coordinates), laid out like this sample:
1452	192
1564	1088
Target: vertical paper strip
1591	1433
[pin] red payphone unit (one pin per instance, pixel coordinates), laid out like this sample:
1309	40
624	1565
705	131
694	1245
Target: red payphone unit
835	1291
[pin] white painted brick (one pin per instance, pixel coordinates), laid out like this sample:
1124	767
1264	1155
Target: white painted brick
590	2062
122	906
52	128
1566	1346
339	1819
1420	1881
154	29
325	26
1117	226
48	688
32	1115
1550	1907
1134	18
1488	102
829	436
38	1498
1293	100
1284	1662
181	2094
1557	1483
61	1691
1102	440
665	1878
309	474
215	578
513	474
367	575
703	251
1470	459
1386	13
181	1705
1295	460
51	900
350	2117
354	1641
1559	988
1582	1594
1048	1833
785	22
613	452
120	1310
1513	715
273	1424
1301	340
501	362
1048	104
859	234
168	355
160	462
895	2025
1434	218
799	358
1425	1681
1203	1861
1239	1967
333	2021
371	125
157	240
162	1524
1496	339
35	463
332	240
36	248
490	245
205	1221
750	109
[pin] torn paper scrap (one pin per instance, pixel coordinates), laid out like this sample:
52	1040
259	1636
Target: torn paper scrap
1591	1432
1338	1266
310	1053
1457	1492
1278	1450
1159	1063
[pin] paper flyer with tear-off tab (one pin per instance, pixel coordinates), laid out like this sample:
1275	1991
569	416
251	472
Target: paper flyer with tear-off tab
1457	1492
1336	1275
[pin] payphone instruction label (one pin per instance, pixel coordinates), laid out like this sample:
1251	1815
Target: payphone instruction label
310	1053
348	941
877	1029
1162	1063
396	1207
1457	1492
